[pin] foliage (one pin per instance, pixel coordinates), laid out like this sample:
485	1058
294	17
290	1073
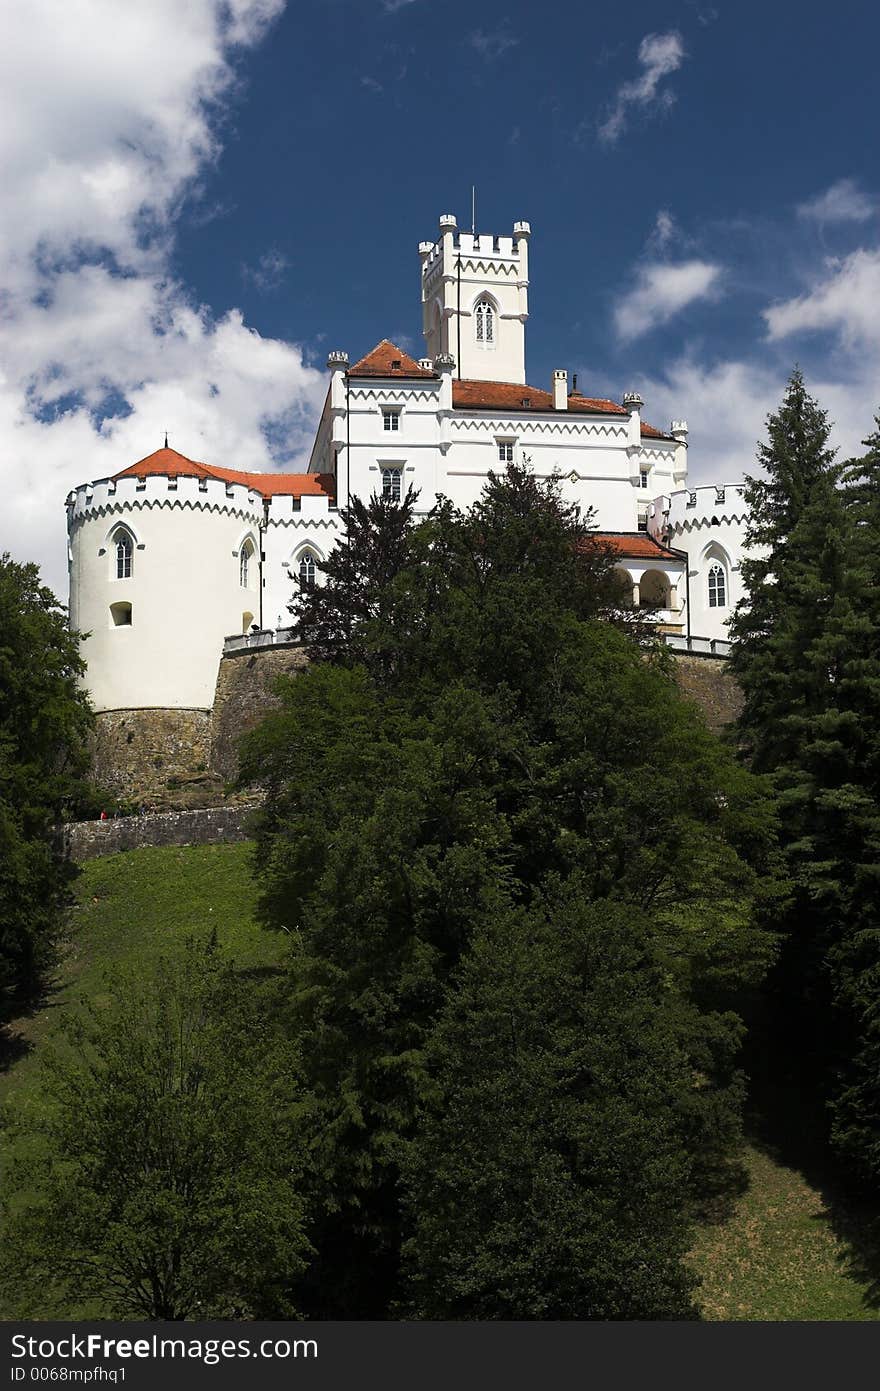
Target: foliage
44	721
808	656
548	1178
168	1182
487	726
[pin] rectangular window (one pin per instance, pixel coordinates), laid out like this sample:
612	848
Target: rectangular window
643	523
505	452
643	478
391	484
390	420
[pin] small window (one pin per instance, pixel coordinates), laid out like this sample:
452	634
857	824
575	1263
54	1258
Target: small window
391	484
484	316
717	587
505	452
307	570
120	615
391	420
245	557
124	551
643	478
643	522
692	500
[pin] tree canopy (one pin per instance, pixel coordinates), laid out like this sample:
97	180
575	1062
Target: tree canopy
487	730
44	722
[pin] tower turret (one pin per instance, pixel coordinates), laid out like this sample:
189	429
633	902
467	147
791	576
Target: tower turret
475	300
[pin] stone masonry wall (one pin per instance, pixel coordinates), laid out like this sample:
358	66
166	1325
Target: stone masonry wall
709	682
140	754
244	696
84	840
136	752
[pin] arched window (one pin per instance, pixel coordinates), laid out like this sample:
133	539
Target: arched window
484	314
717	587
307	570
245	556
124	550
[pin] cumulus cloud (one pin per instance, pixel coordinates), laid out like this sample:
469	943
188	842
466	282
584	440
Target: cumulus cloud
843	300
659	56
844	201
661	291
107	123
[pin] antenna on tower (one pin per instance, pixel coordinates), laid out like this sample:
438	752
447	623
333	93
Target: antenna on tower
473	210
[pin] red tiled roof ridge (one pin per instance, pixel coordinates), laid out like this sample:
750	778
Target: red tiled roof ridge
379	362
635	545
170	463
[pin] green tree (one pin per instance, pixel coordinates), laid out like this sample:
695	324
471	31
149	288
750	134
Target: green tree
508	737
806	654
548	1178
855	957
44	723
165	1180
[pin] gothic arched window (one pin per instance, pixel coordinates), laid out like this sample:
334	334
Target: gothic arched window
245	556
717	587
484	314
307	570
124	550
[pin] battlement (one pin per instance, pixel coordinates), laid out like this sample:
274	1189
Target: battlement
691	508
108	495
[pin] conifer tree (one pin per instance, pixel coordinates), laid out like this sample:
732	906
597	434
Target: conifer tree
802	654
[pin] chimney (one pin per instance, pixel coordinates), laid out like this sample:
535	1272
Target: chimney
678	429
560	390
632	402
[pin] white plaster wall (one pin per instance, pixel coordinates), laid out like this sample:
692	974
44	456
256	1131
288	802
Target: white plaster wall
457	270
184	589
709	529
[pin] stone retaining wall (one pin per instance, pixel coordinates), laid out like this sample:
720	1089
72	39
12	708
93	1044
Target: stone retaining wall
244	696
85	840
135	753
710	683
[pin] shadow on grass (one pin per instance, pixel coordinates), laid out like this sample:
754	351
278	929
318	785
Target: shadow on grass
787	1119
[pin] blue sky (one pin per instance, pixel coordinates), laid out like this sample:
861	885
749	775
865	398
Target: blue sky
202	198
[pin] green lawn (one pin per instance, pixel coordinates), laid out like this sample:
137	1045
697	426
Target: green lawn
777	1257
130	909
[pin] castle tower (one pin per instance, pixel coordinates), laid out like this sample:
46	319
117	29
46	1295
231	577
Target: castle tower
475	300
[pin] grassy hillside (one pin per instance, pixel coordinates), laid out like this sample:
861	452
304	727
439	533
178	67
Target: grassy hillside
132	908
778	1257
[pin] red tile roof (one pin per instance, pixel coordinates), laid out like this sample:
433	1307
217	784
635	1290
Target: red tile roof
170	464
387	360
514	396
635	545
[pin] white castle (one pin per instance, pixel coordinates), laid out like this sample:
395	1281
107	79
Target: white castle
235	543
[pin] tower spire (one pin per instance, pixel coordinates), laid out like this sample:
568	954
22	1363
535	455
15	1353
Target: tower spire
166	439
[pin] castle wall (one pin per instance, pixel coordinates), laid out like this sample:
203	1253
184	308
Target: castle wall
85	840
709	682
245	694
135	753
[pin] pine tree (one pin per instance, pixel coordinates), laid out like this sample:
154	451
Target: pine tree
802	654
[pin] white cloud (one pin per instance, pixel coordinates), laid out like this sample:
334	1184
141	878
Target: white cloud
659	56
660	291
493	43
268	273
665	229
844	201
107	123
843	300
